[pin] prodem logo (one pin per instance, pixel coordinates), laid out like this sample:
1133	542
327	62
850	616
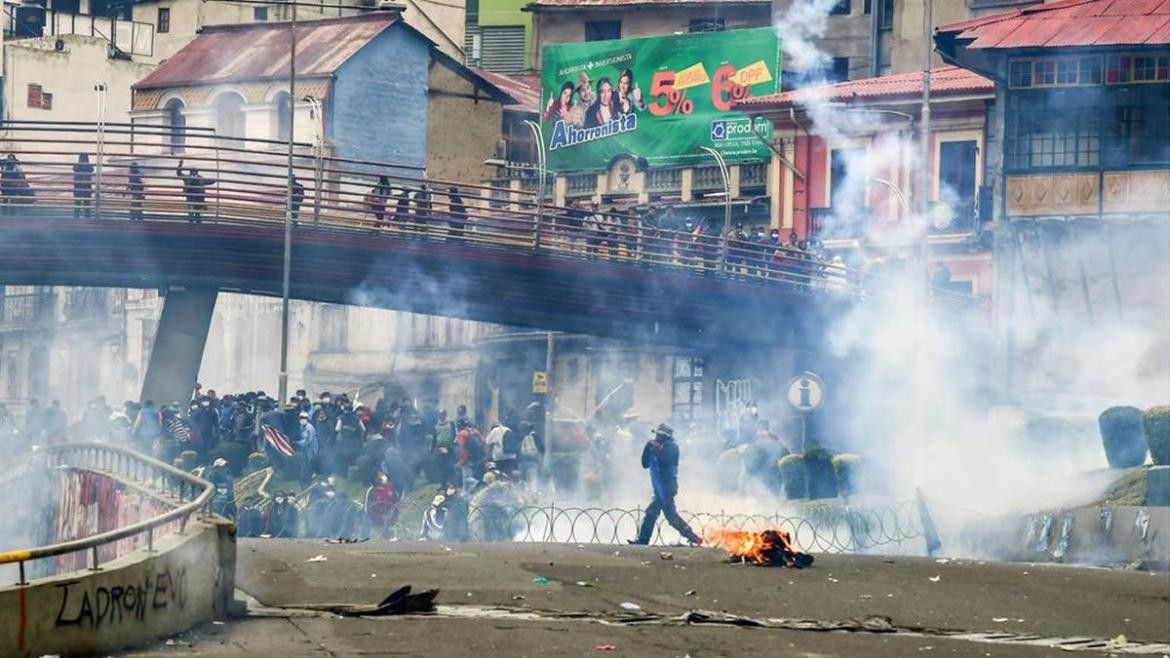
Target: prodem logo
725	129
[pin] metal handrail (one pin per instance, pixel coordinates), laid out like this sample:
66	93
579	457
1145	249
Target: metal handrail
248	186
120	463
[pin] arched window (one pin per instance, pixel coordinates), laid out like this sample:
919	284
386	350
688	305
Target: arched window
176	124
229	115
280	101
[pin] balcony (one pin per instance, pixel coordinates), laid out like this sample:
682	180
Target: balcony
661	180
830	224
27	311
127	37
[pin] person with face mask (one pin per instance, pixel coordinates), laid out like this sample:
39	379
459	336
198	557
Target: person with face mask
660	456
204	419
308	447
350	431
282	518
381	507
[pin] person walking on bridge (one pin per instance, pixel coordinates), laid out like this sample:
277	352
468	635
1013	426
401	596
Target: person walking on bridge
136	191
195	189
13	184
660	456
83	187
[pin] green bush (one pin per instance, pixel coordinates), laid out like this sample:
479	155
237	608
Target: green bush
847	467
1157	425
376	448
727	470
793	476
257	461
822	481
1123	436
363	469
233	452
564	468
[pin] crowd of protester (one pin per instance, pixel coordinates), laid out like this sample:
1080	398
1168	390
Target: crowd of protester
390	449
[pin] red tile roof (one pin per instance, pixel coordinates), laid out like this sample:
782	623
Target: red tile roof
1067	23
260	51
944	81
538	5
524	88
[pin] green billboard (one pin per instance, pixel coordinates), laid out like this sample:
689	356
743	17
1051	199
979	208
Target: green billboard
657	98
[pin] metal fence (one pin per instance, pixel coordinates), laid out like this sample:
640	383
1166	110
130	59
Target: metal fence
829	528
181	494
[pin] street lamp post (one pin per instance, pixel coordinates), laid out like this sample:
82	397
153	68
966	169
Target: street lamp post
726	204
282	387
542	164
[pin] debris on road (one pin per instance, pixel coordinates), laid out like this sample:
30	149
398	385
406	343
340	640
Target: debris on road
317	558
605	647
400	602
540	580
666	555
934	579
626	605
690	592
584	583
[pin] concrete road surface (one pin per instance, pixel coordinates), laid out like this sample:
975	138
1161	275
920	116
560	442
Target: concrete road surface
489	604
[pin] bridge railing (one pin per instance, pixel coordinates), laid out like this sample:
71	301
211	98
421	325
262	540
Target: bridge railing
246	181
182	493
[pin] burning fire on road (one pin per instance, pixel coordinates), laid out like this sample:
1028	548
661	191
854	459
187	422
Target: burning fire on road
770	548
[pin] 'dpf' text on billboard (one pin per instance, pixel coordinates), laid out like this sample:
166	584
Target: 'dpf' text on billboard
657	98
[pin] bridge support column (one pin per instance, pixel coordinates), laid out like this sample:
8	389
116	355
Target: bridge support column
178	345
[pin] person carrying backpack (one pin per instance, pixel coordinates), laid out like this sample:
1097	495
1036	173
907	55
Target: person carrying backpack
469	452
531	453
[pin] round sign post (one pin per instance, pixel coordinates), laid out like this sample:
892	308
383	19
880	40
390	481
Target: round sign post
805	392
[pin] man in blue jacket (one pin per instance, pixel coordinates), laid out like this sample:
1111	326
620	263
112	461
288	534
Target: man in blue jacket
660	456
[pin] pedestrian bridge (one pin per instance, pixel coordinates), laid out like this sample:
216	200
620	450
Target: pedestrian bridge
378	234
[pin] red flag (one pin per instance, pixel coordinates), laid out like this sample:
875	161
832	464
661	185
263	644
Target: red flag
278	441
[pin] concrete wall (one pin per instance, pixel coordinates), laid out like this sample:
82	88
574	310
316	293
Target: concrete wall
70	76
1126	534
462	127
378	110
553	27
128	602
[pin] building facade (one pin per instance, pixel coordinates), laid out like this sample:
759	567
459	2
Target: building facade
1078	157
850	174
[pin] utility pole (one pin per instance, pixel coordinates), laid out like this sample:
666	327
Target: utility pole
282	388
924	165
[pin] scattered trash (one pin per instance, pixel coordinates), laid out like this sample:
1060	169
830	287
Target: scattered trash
540	580
999	620
867	596
626	605
220	623
170	643
346	540
942	560
605	647
469	595
518	597
373	575
584	583
317	558
1120	639
926	648
691	592
834	580
666	555
935	579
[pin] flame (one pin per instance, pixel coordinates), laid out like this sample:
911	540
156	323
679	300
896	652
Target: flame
770	547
